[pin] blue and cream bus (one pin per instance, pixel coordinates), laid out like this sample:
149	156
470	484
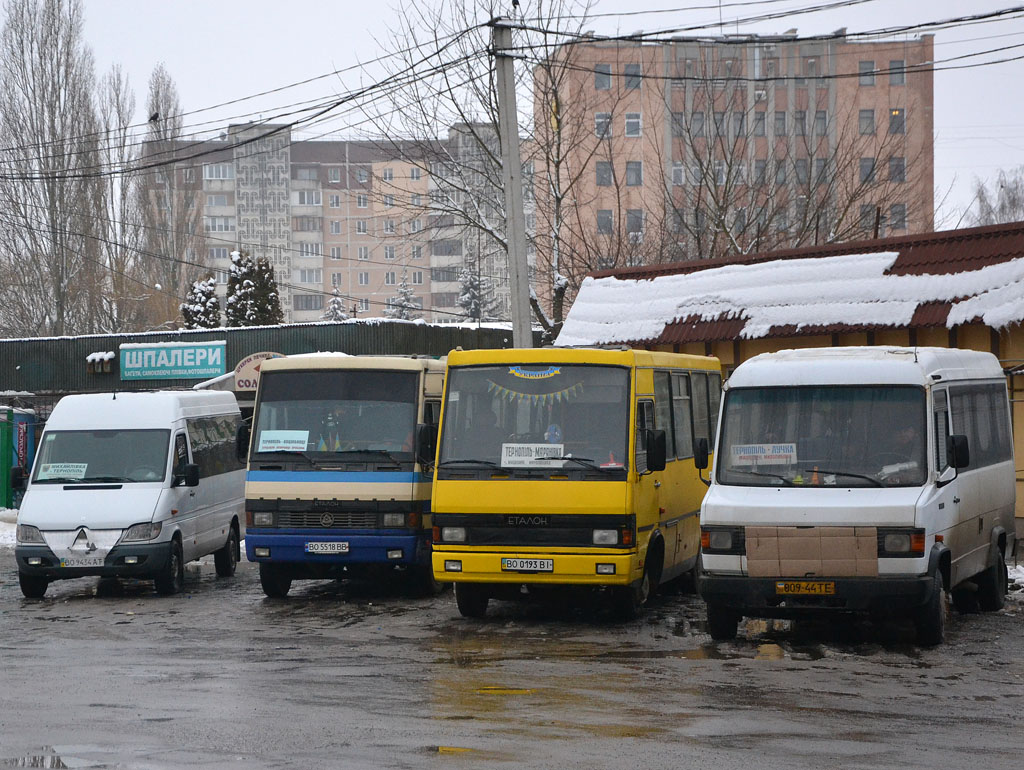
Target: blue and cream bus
338	478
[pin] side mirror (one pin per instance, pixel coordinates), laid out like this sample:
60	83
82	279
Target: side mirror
700	453
656	450
242	441
191	475
958	453
426	444
17	477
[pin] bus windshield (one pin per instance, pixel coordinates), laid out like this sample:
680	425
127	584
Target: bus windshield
107	456
849	436
536	417
336	414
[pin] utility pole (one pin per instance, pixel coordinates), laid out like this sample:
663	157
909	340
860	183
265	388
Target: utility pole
512	180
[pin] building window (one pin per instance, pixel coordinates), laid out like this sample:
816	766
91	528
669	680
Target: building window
334	174
897	72
362	175
602	125
218	171
219	224
416	252
604	173
604	221
602	77
631	73
634	173
697	123
188	175
389	226
362	201
678	124
389	201
866	73
780	123
677	173
634	222
222	276
364	279
867	170
388	174
897	169
312	275
414	173
780	173
800	123
389	278
217	200
360	227
802	169
820	171
389	252
363	252
416	199
310	249
820	122
897	121
898	216
218	252
719	124
335	252
866	122
867	217
632	124
336	280
759	122
739	124
415	226
307	224
308	301
417	277
363	304
760	171
442	274
335	227
334	201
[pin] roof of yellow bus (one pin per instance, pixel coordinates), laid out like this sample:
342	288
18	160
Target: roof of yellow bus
617	356
343	361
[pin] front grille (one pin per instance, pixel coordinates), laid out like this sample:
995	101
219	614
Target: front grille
318	520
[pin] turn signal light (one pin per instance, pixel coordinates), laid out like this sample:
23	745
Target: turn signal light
917	543
705	539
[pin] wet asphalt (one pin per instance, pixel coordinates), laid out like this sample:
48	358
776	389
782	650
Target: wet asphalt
357	675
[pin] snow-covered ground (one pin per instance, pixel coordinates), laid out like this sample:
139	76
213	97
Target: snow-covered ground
8	517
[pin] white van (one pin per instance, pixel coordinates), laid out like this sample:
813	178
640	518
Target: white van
859	479
132	485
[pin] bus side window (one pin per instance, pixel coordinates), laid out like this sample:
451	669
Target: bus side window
663	412
644	421
431	412
714	400
681	417
699	401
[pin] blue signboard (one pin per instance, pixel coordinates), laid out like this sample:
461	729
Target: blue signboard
173	360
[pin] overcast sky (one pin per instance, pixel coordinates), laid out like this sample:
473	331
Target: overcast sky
229	49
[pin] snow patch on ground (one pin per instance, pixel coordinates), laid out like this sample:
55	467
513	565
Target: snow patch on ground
8	519
1016	592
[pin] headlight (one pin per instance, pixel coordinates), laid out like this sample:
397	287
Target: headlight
453	534
262	519
720	540
26	533
139	532
896	542
394	519
606	537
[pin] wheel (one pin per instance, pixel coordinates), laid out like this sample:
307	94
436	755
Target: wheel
421	581
630	599
992	585
722	622
471	600
930	621
33	586
275	582
172	579
225	559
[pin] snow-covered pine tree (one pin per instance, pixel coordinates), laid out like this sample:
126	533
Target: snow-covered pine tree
476	296
201	310
335	308
401	305
266	298
253	299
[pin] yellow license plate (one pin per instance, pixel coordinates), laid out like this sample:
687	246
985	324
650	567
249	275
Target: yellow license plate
805	588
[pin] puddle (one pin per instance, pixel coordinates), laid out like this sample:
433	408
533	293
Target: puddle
47	757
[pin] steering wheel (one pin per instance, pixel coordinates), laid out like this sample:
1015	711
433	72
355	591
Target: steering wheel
890	457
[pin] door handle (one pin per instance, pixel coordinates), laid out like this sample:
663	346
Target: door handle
657	485
192	493
956	500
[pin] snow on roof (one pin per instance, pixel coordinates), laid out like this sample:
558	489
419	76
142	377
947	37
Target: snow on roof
848	290
101	355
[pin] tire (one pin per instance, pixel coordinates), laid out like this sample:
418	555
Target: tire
930	620
421	581
722	622
33	586
275	582
225	559
629	600
471	599
992	585
171	579
965	600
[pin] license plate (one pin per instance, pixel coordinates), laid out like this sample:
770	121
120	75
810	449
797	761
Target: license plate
804	588
83	561
528	565
326	547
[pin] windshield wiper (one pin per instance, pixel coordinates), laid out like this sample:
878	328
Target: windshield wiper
383	452
778	476
873	480
469	460
106	479
586	462
293	453
59	480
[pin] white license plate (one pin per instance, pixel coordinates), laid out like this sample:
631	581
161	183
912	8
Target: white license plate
83	561
528	565
326	547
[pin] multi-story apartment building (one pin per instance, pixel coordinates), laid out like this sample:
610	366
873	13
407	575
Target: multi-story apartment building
698	148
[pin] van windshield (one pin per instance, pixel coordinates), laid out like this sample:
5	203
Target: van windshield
536	417
848	436
341	414
102	456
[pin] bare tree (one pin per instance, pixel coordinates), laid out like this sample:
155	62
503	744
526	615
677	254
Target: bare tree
50	258
1002	201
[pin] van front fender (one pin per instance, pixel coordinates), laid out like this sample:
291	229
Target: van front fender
940	559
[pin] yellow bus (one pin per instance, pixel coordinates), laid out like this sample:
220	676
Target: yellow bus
571	467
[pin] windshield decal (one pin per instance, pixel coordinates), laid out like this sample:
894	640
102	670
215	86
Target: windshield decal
763	454
535	398
529	374
283	441
532	455
62	471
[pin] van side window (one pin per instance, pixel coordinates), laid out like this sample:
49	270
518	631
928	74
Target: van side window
980	412
180	455
663	411
213	444
681	416
941	420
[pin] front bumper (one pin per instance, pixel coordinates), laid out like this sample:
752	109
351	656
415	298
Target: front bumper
569	568
363	547
151	560
758	597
